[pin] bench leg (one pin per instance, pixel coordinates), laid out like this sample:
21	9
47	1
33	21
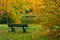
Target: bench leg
24	30
12	29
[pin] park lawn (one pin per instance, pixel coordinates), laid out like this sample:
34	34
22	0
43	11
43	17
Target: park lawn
33	33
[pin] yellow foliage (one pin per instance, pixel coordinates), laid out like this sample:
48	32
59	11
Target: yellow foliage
44	9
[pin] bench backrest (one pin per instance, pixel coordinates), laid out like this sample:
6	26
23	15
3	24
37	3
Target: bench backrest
18	25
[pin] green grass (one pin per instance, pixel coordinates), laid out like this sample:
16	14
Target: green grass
33	33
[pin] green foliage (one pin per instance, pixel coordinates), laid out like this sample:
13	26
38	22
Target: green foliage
3	20
28	11
15	7
9	20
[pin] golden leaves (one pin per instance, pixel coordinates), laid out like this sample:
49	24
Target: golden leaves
39	8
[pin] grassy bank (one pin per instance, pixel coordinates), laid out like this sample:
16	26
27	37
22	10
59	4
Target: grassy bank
33	33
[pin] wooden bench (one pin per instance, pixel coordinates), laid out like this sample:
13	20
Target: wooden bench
18	25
